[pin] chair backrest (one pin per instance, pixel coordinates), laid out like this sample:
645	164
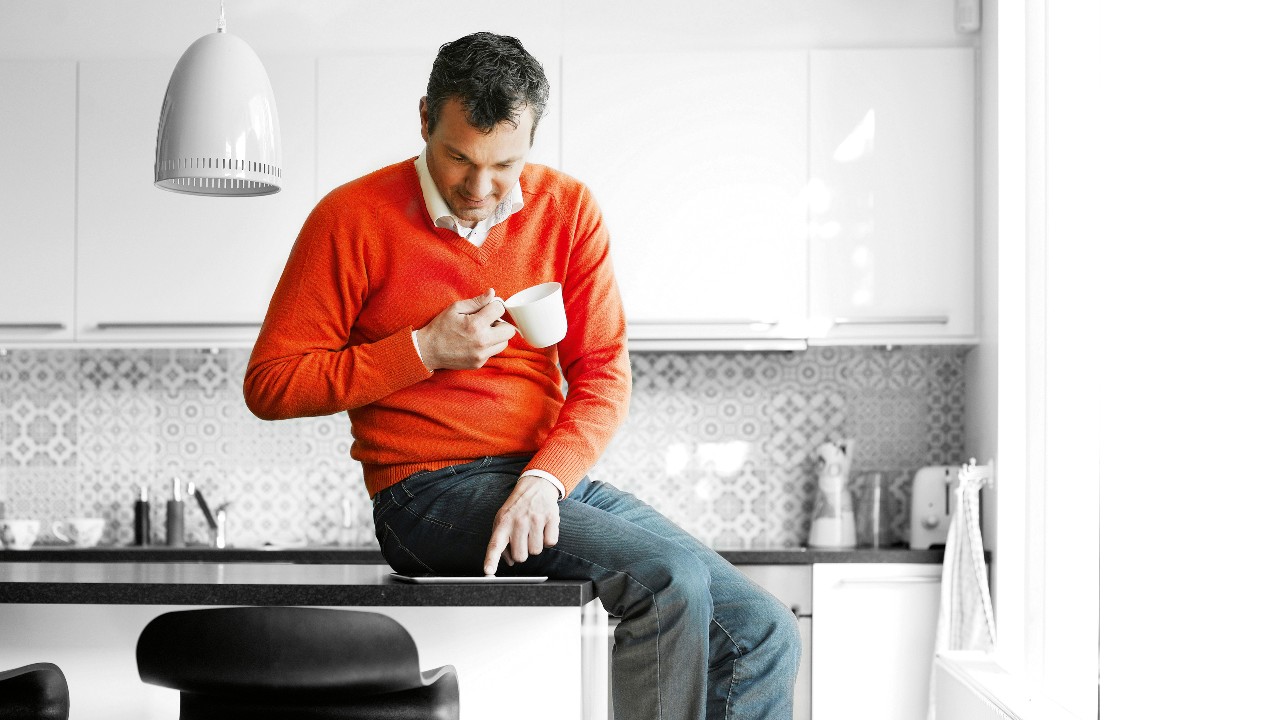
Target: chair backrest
278	651
34	691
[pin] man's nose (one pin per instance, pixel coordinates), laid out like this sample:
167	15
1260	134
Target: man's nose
479	184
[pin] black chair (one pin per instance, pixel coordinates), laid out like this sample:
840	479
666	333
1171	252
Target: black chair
34	692
291	663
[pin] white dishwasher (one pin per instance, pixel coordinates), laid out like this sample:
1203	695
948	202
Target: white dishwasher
874	628
793	585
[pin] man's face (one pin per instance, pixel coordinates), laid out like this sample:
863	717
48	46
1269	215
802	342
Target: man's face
472	169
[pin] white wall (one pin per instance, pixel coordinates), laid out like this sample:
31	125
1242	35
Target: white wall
141	28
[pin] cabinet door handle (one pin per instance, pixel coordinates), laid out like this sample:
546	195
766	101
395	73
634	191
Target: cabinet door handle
707	321
883	580
896	320
175	325
33	326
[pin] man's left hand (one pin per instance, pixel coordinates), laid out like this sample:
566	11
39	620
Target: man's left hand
526	523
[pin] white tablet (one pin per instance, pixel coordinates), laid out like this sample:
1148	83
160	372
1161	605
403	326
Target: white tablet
446	579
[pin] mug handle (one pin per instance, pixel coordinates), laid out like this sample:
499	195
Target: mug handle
57	531
506	315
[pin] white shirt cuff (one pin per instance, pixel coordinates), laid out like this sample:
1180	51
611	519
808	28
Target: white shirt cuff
549	478
418	348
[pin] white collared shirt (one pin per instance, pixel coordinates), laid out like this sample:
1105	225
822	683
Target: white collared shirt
442	215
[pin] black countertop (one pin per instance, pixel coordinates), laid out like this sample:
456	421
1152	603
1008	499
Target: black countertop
808	556
334	576
371	555
261	583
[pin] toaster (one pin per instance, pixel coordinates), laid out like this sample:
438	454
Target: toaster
931	506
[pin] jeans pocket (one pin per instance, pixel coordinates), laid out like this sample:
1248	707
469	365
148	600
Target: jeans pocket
400	558
414	541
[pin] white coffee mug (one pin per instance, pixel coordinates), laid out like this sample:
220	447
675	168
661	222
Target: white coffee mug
538	314
19	534
81	531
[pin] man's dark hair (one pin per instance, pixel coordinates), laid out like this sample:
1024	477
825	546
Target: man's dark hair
493	76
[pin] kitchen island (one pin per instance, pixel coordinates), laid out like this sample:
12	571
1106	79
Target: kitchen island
262	583
370	555
86	618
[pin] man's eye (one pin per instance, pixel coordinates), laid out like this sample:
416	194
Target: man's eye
505	166
459	159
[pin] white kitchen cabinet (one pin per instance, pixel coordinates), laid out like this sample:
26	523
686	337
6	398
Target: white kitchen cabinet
873	639
154	266
892	195
367	115
95	647
698	163
37	200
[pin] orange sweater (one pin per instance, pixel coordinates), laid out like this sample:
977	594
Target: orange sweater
369	267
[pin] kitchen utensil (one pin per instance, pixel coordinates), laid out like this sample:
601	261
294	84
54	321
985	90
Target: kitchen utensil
204	507
931	506
832	524
142	518
174	519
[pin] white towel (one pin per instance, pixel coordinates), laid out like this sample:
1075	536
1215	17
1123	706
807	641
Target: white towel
965	618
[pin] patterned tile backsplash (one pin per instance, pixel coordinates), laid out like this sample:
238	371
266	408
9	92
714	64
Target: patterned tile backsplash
723	443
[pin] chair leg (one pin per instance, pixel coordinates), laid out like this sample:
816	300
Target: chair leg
441	685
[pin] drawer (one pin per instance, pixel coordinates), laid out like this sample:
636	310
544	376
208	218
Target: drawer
792	584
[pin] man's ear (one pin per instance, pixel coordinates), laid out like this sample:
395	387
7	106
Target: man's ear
422	115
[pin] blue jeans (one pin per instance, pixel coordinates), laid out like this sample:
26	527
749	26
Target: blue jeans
682	606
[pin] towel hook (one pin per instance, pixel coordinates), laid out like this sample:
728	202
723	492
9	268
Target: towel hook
983	474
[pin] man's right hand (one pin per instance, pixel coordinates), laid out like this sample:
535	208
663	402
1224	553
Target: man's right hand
465	335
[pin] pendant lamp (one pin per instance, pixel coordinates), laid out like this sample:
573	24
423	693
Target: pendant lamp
219	132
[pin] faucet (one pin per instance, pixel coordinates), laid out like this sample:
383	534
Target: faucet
220	526
216	526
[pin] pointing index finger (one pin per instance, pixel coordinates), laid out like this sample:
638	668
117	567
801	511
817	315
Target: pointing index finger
497	543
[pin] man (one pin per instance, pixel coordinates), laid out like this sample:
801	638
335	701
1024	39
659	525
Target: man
473	457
